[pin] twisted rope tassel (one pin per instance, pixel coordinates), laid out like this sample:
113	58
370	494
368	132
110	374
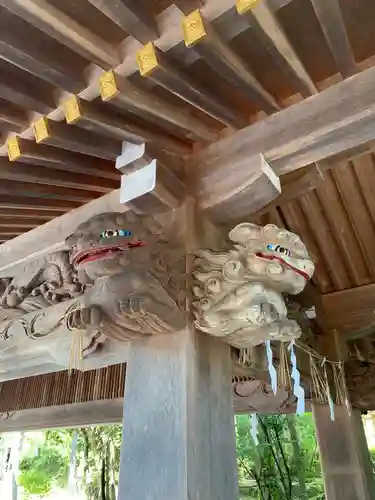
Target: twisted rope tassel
328	391
283	373
76	346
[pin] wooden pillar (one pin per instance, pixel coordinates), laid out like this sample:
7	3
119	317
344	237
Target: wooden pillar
344	453
178	433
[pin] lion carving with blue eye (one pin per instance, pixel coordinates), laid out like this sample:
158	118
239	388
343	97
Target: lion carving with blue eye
126	267
239	292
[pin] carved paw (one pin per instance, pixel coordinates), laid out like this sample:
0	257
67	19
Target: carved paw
83	318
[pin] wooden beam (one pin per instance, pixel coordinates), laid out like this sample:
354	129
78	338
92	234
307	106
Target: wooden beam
44	215
23	46
10	234
253	186
271	35
187	6
98	118
12	115
56	24
19	92
350	311
108	411
133	16
27	151
75	139
200	35
53	177
18	203
335	120
30	189
122	93
19	223
330	18
158	67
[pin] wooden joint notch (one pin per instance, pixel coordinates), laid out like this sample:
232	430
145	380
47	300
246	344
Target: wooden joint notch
14	148
244	6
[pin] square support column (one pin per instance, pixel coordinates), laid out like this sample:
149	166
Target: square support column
178	434
344	453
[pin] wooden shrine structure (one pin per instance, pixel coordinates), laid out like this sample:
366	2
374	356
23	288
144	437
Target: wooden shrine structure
258	114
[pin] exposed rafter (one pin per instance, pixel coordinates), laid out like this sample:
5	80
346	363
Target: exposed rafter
66	30
122	93
34	190
76	139
24	150
98	118
133	16
270	33
15	118
20	203
158	67
19	92
332	23
201	37
24	46
52	177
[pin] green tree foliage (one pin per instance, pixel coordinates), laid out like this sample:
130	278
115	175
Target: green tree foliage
285	464
49	466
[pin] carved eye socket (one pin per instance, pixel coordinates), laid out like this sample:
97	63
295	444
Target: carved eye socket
112	233
278	248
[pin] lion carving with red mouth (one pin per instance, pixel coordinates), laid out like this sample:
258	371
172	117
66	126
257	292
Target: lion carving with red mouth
126	268
239	292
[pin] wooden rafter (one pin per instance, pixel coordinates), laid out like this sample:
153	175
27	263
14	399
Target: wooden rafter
158	67
75	139
124	94
36	190
332	23
19	92
20	203
133	16
12	116
56	24
53	177
270	33
200	36
24	150
24	46
42	216
97	118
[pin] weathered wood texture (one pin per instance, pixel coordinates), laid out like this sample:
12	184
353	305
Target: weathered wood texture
62	416
181	445
133	16
201	37
272	36
330	18
326	124
345	456
61	388
350	310
252	184
56	24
